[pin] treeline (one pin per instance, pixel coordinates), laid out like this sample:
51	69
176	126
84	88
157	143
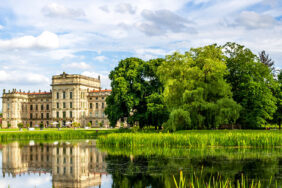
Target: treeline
203	88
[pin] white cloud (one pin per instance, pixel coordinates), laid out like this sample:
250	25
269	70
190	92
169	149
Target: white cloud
18	77
253	20
56	10
1	27
104	8
162	21
105	81
100	58
79	65
45	40
125	8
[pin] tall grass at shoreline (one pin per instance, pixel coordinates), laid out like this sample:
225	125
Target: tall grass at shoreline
238	138
219	182
51	135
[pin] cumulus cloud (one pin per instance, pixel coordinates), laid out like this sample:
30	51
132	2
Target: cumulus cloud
45	40
56	10
125	8
1	27
105	81
17	77
100	58
104	8
162	21
79	65
149	53
253	20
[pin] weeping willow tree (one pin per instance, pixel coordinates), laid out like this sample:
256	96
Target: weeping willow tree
195	90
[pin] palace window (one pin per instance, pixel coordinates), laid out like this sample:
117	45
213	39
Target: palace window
57	114
70	104
96	105
96	98
64	105
41	115
70	95
58	95
90	105
64	95
42	107
30	106
70	114
47	107
36	107
47	116
64	114
58	105
102	105
96	114
102	98
30	116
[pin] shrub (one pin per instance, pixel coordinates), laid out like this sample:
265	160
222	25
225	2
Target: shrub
9	125
41	125
20	125
101	124
89	124
27	125
59	125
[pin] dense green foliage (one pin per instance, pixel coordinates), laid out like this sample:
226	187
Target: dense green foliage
277	118
252	85
136	93
195	90
204	88
195	139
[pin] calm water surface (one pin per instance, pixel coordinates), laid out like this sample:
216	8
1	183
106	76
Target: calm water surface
82	164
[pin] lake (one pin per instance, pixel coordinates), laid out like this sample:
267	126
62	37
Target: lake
83	164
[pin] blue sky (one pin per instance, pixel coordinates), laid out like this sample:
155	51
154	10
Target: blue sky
39	39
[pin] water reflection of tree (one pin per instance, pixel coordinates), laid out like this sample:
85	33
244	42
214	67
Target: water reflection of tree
157	171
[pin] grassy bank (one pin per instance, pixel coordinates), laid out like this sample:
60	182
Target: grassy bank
246	138
52	134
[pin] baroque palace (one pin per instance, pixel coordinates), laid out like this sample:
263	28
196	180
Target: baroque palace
73	98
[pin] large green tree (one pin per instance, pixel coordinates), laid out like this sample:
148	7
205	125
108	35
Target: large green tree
252	85
277	117
196	93
136	93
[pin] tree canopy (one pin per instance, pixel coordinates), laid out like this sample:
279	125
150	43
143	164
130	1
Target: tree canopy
195	92
202	88
252	84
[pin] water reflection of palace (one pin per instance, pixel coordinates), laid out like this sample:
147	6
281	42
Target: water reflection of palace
71	165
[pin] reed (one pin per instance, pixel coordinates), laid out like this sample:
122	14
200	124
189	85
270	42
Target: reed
238	138
219	182
52	134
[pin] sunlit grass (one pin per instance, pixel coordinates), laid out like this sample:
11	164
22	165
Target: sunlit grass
241	138
52	134
219	182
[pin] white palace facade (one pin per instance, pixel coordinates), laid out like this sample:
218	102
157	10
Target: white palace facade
73	98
